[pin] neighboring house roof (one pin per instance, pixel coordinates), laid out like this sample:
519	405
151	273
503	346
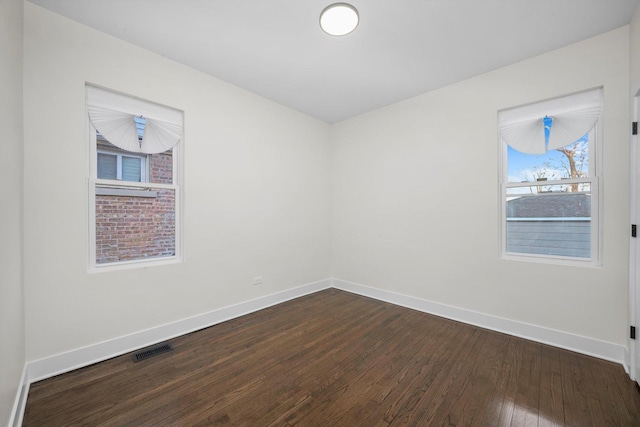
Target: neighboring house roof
550	206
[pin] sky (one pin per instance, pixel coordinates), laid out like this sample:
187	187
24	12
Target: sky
520	166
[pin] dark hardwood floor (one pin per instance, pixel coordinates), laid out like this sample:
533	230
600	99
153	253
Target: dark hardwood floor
337	359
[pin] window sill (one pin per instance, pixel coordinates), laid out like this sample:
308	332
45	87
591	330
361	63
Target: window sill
553	260
138	263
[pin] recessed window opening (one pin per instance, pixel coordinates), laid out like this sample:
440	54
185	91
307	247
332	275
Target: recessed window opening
134	181
550	180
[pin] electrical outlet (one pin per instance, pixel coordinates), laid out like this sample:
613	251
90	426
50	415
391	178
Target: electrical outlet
257	280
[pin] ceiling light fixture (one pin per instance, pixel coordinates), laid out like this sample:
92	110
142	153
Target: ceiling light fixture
339	19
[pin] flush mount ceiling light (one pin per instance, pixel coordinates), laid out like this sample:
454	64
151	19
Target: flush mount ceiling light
339	19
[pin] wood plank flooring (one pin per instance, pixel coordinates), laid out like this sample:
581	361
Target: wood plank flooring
338	359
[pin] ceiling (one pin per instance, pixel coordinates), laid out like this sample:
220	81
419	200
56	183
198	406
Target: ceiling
401	48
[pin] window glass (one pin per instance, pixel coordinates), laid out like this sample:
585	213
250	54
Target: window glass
567	162
130	224
550	218
107	166
161	168
131	169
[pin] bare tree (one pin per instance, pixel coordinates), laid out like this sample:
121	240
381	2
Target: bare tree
574	164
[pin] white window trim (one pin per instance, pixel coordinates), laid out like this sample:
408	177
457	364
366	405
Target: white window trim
144	164
595	180
92	181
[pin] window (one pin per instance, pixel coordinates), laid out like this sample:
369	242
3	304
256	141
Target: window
134	181
550	180
124	167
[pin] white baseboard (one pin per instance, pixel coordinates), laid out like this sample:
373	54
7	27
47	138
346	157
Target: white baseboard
81	357
627	363
17	412
580	344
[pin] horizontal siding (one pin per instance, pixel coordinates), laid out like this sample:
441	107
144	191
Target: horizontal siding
561	238
522	235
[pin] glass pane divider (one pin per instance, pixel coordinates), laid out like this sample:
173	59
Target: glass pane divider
130	184
548	183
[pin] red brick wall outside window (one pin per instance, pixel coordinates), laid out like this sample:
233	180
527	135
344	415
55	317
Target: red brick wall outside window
130	227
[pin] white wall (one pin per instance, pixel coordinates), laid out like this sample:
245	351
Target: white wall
11	293
415	196
256	192
634	50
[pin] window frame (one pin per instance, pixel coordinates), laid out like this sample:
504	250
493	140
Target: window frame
93	181
595	181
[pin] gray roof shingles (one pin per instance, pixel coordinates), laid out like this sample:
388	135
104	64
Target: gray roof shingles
550	206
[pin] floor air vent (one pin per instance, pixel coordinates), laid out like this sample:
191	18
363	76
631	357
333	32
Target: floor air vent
148	352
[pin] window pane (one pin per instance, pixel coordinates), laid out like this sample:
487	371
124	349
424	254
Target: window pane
553	223
571	161
161	168
107	166
131	169
134	224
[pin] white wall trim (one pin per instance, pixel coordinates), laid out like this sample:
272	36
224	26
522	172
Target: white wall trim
580	344
20	402
84	356
627	362
634	273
